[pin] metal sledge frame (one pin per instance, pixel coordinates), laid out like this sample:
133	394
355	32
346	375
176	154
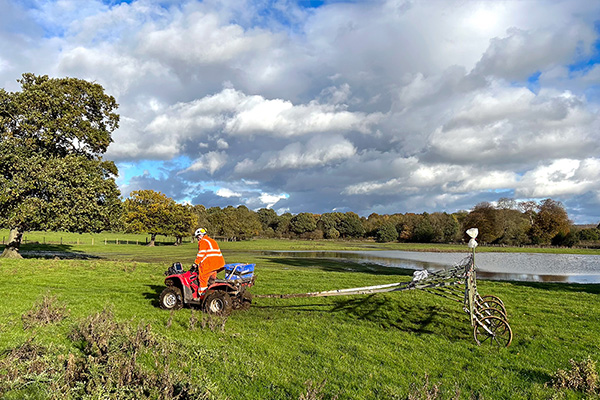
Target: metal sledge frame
459	283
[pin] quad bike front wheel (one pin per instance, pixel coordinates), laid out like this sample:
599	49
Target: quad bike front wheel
170	298
218	302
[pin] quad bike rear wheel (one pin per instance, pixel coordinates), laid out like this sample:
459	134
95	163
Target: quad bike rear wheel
170	298
243	301
218	302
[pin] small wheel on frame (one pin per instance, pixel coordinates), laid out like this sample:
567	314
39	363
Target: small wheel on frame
491	297
487	311
492	303
493	331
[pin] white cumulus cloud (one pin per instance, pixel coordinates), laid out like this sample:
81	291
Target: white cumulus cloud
560	177
317	152
211	162
224	192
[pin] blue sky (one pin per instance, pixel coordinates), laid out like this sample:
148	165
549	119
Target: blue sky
382	106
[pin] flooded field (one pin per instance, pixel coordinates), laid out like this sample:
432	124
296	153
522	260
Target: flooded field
530	267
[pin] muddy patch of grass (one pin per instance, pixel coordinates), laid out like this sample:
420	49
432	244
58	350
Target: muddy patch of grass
315	391
193	320
430	391
25	371
213	322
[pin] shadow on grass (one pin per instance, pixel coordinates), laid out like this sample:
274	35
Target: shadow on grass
337	265
592	288
534	375
389	313
61	251
386	311
154	294
416	318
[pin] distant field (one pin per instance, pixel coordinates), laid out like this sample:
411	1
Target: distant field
390	346
92	241
87	238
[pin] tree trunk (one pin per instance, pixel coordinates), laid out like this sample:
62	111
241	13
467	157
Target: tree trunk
152	238
14	242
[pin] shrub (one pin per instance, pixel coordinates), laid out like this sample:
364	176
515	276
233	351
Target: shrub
44	312
565	239
589	234
313	235
113	360
332	233
583	376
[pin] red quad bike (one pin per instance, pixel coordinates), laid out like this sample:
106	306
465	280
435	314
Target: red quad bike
220	298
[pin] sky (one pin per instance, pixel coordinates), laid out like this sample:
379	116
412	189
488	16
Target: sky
378	106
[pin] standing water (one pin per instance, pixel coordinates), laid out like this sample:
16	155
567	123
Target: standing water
530	267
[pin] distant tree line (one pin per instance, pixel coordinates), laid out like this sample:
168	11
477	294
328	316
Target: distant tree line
507	222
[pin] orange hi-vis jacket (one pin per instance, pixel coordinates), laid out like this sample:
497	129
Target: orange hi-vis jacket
209	260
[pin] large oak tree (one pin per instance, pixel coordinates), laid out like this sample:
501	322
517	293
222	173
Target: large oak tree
53	134
550	220
147	211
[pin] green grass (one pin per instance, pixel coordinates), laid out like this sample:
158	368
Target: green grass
356	347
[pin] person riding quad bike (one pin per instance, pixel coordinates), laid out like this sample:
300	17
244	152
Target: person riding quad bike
209	259
200	287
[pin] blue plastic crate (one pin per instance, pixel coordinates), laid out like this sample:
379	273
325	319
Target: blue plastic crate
239	271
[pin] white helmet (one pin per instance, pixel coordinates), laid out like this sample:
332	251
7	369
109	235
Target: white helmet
200	232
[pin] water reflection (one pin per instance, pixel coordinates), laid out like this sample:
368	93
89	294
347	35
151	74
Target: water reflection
528	267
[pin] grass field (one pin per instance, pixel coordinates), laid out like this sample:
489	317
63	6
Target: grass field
92	242
385	346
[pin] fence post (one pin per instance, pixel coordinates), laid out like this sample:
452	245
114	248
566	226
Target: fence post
105	241
92	241
117	241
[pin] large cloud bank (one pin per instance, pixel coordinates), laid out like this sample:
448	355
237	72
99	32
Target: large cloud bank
380	106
